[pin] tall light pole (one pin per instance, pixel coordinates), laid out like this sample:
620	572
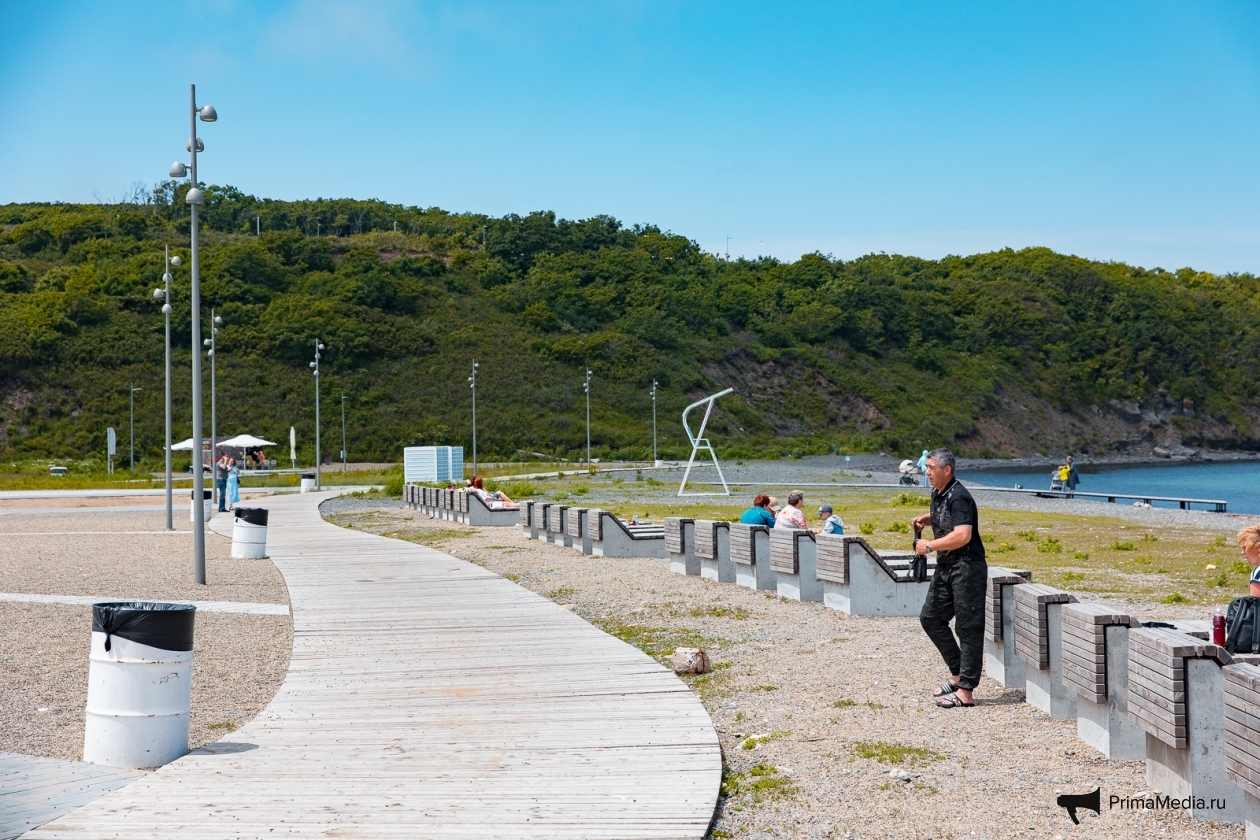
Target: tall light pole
194	200
133	426
212	343
315	366
473	379
164	294
343	434
586	386
654	458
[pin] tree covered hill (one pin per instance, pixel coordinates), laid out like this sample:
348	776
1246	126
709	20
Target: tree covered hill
1000	353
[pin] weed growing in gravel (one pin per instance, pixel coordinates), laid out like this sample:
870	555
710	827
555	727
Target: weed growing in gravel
867	528
751	742
1220	580
1174	598
891	752
432	537
1079	555
844	703
1219	542
656	642
759	782
1050	546
224	724
1122	545
1149	538
1002	548
1071	576
904	499
898	528
765	688
1031	536
512	577
871	704
1240	568
580	490
564	593
718	611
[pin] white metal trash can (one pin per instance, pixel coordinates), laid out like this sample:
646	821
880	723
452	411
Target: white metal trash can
139	683
207	505
249	533
308	482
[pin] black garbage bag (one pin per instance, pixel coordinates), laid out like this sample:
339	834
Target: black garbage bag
254	516
159	625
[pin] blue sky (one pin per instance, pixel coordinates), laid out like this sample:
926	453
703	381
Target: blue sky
1121	131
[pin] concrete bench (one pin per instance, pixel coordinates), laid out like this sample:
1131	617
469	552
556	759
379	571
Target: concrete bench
555	525
1039	640
1001	662
680	541
610	537
482	514
1177	695
575	527
713	547
1096	667
858	580
750	554
794	558
1242	737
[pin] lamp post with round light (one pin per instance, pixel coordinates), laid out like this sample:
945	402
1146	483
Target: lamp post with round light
164	294
194	199
213	345
315	368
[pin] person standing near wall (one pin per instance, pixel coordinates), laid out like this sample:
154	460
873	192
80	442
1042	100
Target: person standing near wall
958	585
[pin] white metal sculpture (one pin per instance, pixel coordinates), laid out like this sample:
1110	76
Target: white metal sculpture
699	442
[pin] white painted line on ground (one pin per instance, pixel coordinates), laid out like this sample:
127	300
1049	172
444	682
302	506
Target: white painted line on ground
204	606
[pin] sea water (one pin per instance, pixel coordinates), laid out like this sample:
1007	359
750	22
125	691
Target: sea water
1236	482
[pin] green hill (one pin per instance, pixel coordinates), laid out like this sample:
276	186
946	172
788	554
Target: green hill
1006	353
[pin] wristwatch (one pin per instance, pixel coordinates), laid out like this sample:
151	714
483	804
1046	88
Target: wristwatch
929	545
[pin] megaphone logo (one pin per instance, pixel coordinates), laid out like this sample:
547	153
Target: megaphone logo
1072	801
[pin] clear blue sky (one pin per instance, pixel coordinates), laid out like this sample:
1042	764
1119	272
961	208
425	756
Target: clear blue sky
1123	131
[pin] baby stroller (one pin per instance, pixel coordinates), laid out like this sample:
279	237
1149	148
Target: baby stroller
910	475
1058	479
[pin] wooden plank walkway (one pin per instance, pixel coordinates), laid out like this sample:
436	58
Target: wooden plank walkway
428	697
35	790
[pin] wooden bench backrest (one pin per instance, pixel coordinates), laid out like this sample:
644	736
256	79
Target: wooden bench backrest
784	552
1032	629
707	538
833	558
595	524
574	524
743	540
1242	727
1157	680
674	528
555	518
1085	647
999	576
527	510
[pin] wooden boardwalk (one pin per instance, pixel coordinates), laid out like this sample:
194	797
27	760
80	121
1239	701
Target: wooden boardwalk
428	697
34	790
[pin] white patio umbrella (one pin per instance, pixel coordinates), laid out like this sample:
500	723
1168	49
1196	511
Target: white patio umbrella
244	442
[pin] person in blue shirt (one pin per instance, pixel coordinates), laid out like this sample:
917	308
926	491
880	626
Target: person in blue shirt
923	467
759	513
832	524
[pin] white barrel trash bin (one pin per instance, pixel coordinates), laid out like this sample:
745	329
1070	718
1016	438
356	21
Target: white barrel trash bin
139	683
308	482
249	533
207	505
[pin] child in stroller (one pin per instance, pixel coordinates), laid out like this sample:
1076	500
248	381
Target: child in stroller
910	473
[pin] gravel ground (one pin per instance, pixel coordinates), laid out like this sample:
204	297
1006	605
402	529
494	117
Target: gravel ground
832	704
239	660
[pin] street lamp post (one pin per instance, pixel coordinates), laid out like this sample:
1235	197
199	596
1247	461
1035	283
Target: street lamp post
315	366
133	426
194	200
587	388
473	379
654	458
164	294
344	457
212	343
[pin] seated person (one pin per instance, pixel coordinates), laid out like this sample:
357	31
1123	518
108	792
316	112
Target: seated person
792	516
832	524
497	500
1249	542
760	513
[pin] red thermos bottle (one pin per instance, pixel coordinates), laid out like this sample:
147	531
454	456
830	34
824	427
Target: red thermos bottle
1218	628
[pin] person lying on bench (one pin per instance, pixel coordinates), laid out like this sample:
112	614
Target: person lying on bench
496	501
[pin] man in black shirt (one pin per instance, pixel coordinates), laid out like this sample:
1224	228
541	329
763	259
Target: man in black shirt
957	589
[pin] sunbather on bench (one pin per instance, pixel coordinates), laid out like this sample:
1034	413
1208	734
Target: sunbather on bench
497	500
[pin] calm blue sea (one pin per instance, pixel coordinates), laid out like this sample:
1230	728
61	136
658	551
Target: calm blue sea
1237	482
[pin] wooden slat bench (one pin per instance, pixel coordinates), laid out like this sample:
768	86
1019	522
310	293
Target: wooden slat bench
1242	737
1039	640
610	537
750	553
680	541
794	558
540	520
1177	695
1096	667
555	525
482	514
859	580
713	547
528	528
575	527
1001	662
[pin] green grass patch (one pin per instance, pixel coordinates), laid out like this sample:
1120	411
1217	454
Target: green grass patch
1050	546
891	752
1122	545
1174	598
225	725
867	528
759	783
844	703
1080	555
1220	580
1031	536
765	688
1002	548
1071	576
898	528
564	593
656	642
904	499
751	742
718	611
1241	567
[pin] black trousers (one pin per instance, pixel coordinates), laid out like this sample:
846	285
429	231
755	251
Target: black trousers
957	592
